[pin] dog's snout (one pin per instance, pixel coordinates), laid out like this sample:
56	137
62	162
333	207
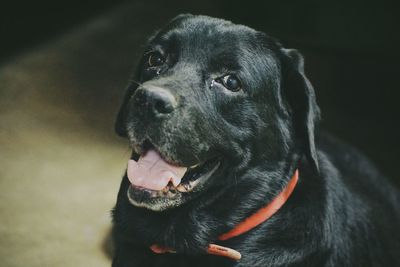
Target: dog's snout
156	99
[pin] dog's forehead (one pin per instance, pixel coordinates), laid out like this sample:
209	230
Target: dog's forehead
206	35
212	46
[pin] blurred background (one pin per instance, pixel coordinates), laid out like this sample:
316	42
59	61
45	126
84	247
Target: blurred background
63	69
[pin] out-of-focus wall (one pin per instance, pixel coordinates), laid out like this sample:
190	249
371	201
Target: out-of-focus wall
63	70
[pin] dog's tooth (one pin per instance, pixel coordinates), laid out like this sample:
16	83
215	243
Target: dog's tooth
181	188
185	187
165	189
188	187
193	183
194	166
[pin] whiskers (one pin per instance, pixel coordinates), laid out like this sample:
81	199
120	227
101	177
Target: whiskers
135	82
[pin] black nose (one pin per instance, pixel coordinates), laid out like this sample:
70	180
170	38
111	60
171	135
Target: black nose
155	99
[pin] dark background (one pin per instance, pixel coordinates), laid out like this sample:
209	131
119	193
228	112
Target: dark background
351	50
64	66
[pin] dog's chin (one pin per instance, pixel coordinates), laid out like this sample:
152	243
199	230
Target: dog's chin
149	199
174	194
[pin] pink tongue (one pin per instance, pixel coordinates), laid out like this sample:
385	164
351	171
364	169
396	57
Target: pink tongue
152	172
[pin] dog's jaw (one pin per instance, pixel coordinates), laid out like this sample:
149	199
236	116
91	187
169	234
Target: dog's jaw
158	185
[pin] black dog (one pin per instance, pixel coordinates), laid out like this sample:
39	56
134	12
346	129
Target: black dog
222	122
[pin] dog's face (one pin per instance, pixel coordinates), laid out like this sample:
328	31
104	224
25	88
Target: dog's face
209	101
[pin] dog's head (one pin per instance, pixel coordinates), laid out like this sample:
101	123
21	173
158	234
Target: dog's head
210	100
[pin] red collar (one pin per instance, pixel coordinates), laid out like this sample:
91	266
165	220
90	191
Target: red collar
248	224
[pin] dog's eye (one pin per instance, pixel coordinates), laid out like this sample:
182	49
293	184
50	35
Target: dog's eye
155	59
231	82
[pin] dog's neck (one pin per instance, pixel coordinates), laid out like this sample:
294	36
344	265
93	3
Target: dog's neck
262	215
205	222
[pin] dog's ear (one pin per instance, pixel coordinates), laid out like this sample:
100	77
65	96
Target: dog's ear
300	96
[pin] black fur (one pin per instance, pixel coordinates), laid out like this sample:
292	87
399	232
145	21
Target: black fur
343	212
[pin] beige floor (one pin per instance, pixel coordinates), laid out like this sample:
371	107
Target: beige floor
60	162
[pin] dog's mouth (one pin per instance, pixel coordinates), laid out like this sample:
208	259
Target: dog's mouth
152	177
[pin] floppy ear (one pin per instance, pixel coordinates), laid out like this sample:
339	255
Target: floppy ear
300	96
